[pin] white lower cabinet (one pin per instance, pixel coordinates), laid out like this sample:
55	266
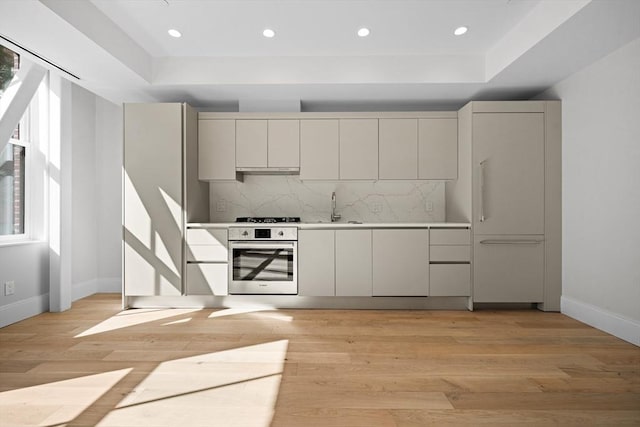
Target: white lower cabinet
207	261
316	263
401	262
508	268
450	262
207	278
450	280
353	263
384	262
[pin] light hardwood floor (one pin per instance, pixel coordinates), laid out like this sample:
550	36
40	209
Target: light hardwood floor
93	365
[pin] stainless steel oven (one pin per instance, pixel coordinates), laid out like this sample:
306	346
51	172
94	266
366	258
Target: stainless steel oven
263	260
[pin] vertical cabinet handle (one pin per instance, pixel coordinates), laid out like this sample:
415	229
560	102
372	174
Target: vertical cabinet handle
482	218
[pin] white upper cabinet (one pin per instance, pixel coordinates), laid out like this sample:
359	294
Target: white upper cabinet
251	143
267	144
398	149
283	144
216	150
359	149
319	149
438	148
330	147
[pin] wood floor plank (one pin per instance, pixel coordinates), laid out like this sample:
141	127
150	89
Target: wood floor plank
510	418
545	401
388	368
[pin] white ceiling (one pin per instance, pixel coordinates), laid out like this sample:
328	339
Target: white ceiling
120	49
314	27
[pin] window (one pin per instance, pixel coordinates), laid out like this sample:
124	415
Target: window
12	185
9	64
13	159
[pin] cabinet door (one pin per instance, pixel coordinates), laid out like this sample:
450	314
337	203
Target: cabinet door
284	144
251	143
401	262
216	150
508	269
438	149
449	280
359	149
206	244
316	263
319	149
353	263
207	279
508	153
398	150
153	218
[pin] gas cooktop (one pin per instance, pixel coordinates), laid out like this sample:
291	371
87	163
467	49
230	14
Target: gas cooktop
267	219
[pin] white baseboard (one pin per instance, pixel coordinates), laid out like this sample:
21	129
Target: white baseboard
607	321
94	286
110	285
84	289
20	310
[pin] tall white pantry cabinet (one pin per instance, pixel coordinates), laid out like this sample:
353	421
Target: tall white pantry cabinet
509	188
161	194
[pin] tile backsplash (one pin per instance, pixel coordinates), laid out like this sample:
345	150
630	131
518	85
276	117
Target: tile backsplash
287	195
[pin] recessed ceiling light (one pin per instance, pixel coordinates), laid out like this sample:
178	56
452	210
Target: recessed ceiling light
364	32
268	33
460	31
174	33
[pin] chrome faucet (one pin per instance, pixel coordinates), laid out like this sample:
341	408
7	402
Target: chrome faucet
334	216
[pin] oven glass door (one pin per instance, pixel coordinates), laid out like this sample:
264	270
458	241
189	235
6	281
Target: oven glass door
263	262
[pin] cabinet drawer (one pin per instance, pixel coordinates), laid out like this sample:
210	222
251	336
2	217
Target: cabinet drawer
207	279
215	253
450	236
450	280
508	268
455	253
207	236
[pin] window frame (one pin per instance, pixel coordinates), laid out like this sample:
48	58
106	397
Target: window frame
24	141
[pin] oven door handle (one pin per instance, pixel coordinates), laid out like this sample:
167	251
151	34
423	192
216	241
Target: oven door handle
262	245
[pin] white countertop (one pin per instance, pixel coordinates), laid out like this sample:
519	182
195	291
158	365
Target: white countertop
335	225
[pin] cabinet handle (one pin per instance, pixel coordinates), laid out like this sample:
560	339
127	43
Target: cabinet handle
510	242
482	191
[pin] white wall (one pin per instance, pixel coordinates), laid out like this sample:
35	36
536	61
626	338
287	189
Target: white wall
84	213
28	266
97	162
601	192
109	189
96	159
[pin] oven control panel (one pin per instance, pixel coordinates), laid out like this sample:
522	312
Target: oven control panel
263	233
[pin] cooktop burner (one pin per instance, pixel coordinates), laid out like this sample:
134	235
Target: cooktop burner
268	219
